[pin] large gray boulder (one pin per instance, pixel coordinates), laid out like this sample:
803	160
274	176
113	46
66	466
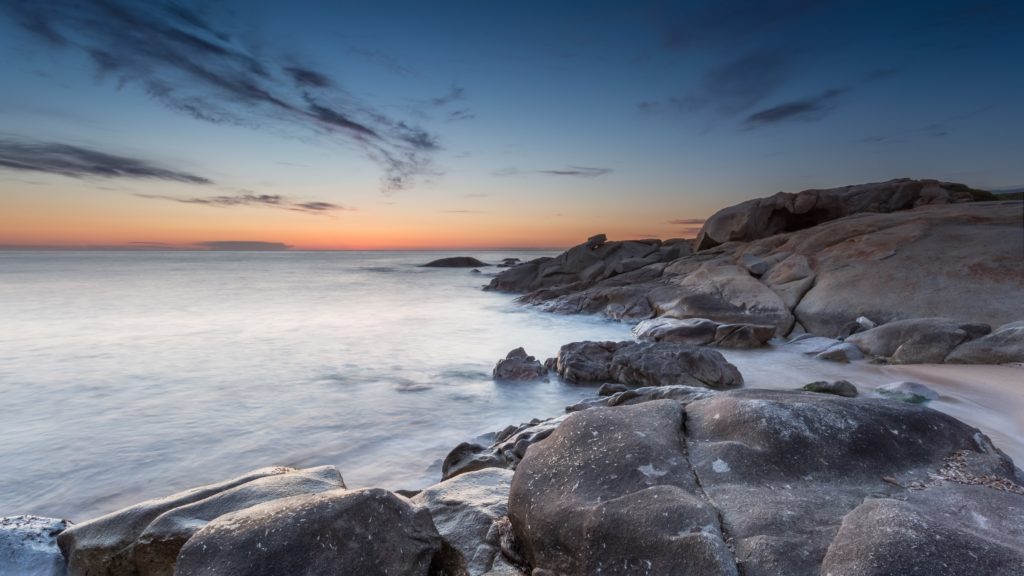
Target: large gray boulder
1004	345
368	531
775	474
701	332
144	539
466	511
787	212
611	492
952	529
28	546
645	364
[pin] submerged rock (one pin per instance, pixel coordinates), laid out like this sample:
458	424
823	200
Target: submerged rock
455	262
370	531
910	392
28	546
645	364
518	365
838	388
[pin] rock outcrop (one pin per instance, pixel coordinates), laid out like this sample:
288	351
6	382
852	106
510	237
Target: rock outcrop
763	482
897	251
645	364
788	212
28	546
704	332
1004	345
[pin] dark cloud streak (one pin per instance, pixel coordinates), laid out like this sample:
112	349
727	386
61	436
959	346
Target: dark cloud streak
79	162
188	65
248	199
806	110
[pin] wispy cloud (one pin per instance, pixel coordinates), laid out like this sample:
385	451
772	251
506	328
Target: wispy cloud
460	115
574	171
182	60
806	110
454	94
463	212
243	245
80	162
687	221
269	200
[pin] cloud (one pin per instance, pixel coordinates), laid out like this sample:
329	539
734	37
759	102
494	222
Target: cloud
186	63
806	110
79	162
381	59
455	93
462	212
576	171
579	171
244	245
687	221
249	199
459	115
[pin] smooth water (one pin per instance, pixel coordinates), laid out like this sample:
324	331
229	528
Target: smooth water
130	375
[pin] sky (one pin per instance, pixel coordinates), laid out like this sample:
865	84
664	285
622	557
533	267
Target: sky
458	125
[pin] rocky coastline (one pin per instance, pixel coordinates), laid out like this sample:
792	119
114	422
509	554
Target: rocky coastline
673	466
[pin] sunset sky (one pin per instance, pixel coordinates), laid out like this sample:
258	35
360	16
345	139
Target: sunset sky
355	125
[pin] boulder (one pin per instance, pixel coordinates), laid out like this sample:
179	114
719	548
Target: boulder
683	394
788	212
842	352
910	392
778	475
369	531
743	335
1004	345
455	262
692	331
916	341
944	531
611	492
645	364
465	510
839	388
518	365
28	546
145	538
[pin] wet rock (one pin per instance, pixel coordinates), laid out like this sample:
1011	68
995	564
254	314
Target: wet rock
455	262
682	394
692	331
505	452
28	546
944	531
508	262
465	510
1003	345
646	364
838	388
910	392
842	352
105	545
518	365
743	335
610	388
338	532
915	341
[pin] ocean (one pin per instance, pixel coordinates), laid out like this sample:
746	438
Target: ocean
132	375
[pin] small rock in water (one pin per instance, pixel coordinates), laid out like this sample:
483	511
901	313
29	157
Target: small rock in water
910	392
842	352
455	262
28	546
518	365
838	388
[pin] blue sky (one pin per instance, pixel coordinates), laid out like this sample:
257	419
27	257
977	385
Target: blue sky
373	124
